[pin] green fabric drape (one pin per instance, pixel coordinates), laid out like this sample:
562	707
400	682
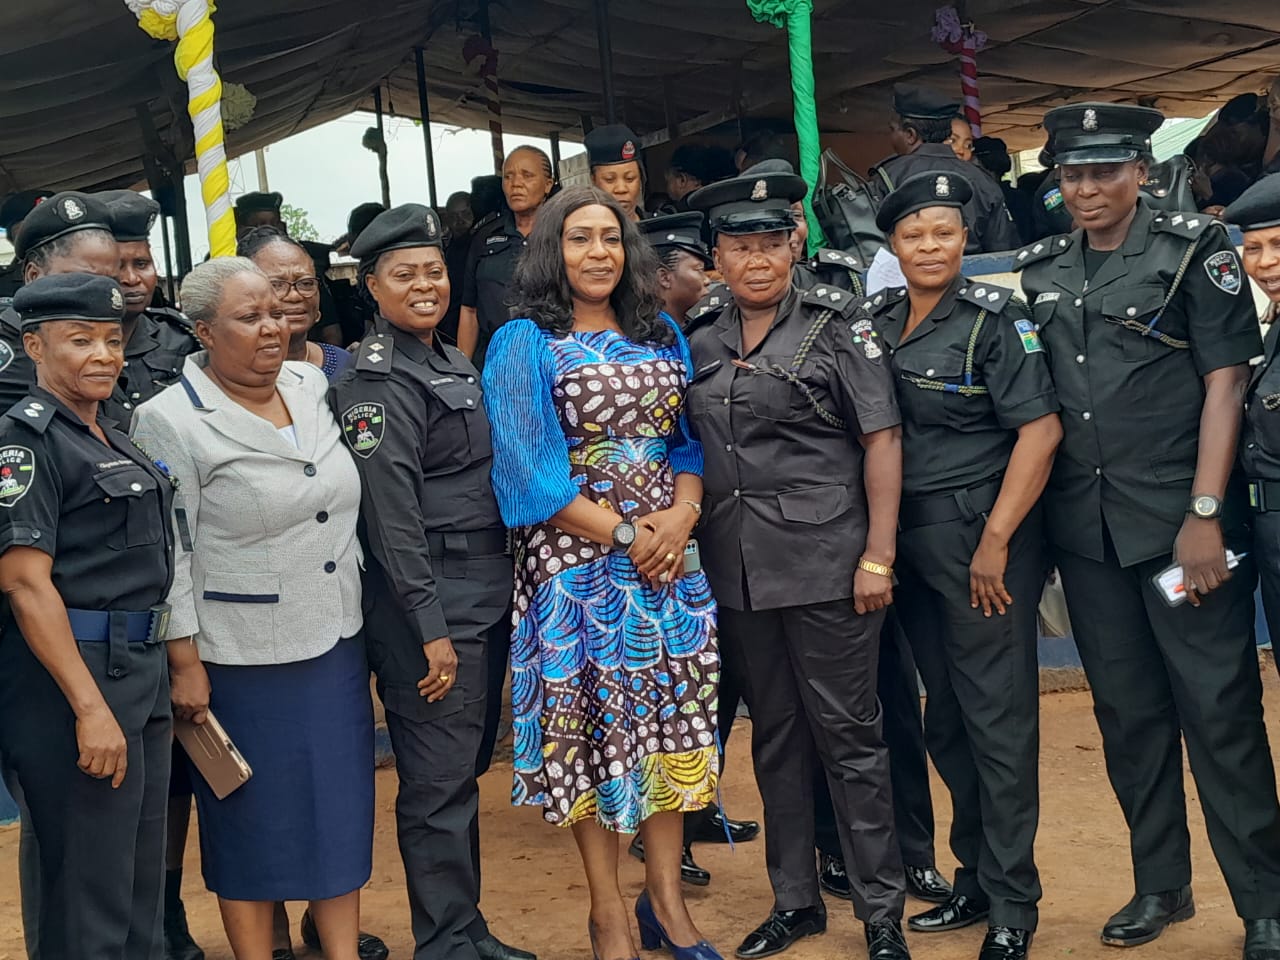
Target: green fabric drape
795	16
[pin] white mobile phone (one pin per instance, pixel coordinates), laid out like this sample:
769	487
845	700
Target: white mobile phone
1168	582
692	557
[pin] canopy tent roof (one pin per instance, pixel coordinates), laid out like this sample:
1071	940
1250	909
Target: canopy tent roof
79	82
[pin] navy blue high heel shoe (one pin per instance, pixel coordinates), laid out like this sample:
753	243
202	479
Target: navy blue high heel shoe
654	937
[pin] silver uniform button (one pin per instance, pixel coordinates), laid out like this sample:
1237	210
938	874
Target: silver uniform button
1097	471
1087	415
471	379
1079	358
728	448
135	487
726	401
1131	312
1079	302
929	372
736	493
470	402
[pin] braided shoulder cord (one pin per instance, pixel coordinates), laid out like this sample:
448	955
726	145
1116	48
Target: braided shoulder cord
792	377
1149	329
968	388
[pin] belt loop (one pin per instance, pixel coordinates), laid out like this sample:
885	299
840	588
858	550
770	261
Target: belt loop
117	644
967	513
455	555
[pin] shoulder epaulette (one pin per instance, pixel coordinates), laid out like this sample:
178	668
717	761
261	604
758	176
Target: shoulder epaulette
1189	225
836	258
34	412
1041	250
709	307
830	297
989	296
882	299
376	354
174	318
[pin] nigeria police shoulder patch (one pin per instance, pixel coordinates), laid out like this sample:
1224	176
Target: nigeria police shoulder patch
6	355
17	473
1224	270
1029	336
865	336
362	426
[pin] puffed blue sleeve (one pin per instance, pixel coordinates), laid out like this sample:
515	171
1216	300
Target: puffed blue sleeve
684	450
531	475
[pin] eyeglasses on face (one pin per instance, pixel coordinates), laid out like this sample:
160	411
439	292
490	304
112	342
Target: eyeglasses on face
306	287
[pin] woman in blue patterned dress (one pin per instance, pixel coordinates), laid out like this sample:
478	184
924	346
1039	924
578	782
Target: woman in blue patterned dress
614	660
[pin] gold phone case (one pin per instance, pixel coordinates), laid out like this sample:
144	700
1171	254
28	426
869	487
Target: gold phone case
213	754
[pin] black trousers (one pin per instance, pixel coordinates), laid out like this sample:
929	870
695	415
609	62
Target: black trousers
808	676
981	718
1160	675
436	747
28	864
899	694
1266	552
100	851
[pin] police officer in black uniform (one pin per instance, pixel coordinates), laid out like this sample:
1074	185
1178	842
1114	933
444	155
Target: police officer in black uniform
68	233
1257	213
919	132
613	155
438	576
157	339
13	211
84	686
980	427
1149	330
803	471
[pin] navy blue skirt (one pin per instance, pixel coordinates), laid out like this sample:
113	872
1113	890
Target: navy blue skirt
302	827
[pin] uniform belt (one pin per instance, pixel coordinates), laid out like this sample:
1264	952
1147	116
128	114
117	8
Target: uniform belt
140	626
1264	495
468	543
965	505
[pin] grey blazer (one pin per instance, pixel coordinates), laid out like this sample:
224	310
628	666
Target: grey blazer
268	564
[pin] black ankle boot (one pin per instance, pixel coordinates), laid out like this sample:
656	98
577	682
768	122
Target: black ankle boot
178	944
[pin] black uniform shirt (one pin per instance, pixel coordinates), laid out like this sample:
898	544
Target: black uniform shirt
1260	432
961	411
490	266
785	514
832	267
17	372
153	360
1131	403
990	226
414	417
102	512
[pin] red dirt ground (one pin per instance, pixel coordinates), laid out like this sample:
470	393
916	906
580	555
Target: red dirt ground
534	895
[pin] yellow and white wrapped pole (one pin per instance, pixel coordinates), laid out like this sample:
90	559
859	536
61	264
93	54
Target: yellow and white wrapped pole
190	23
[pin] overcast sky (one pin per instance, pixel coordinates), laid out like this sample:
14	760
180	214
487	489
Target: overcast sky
326	171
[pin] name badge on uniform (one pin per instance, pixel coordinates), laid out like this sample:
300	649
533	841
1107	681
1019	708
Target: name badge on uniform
1030	338
1048	298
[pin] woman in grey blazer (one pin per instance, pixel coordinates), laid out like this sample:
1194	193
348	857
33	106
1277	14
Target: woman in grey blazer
267	586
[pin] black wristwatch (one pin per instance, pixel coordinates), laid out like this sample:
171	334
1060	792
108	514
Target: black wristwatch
1205	506
624	535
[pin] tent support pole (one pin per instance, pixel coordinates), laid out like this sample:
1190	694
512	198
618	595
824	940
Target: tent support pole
382	148
554	137
605	45
424	108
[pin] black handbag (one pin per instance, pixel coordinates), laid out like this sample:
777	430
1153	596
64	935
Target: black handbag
1168	185
846	205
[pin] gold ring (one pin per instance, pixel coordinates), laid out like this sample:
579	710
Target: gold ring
670	557
444	678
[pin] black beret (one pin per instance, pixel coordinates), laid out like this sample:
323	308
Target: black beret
1258	208
1100	132
132	214
16	206
1239	108
760	203
921	103
70	296
611	144
769	166
993	153
679	231
259	202
61	214
934	188
408	225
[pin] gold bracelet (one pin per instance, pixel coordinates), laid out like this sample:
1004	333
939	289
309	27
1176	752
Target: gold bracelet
879	569
697	507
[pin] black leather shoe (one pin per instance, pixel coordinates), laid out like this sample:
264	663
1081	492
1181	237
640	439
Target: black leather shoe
283	954
491	948
886	942
959	911
1262	939
690	872
368	946
1144	917
781	930
713	829
833	877
1006	943
927	884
